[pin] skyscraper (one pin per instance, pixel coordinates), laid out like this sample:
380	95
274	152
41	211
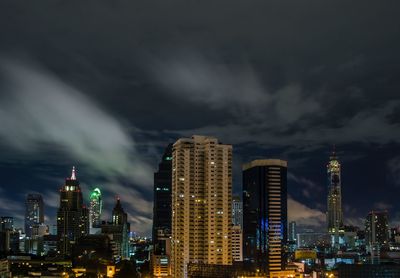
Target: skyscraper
265	214
161	257
72	215
34	215
119	229
237	211
96	205
334	213
201	203
162	196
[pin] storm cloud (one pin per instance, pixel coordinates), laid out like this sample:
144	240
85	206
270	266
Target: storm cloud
117	81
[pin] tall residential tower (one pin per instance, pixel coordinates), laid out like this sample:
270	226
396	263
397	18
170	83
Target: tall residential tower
201	203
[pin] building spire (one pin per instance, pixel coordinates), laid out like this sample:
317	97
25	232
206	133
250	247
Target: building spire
73	175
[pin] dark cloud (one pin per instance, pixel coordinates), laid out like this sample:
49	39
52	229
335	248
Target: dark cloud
118	80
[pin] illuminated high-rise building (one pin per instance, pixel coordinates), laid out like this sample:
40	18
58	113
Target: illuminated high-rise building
34	215
265	214
334	214
72	215
95	208
201	203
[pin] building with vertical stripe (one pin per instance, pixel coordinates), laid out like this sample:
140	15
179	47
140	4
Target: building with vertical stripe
265	214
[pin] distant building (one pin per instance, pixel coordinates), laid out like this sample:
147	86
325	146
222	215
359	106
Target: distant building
95	248
377	229
72	215
237	244
95	209
237	211
334	214
292	231
118	230
313	239
31	266
265	214
34	214
201	203
7	223
50	245
292	236
395	235
34	244
9	236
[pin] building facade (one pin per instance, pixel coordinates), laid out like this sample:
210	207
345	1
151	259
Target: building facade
34	214
162	219
237	211
118	230
201	203
237	244
95	209
72	215
334	202
9	236
265	214
376	229
162	196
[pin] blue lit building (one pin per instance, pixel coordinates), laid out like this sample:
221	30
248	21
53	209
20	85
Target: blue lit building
265	214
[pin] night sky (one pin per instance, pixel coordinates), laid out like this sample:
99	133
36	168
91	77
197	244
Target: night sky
106	85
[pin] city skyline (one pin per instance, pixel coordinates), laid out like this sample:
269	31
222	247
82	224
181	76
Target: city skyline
108	97
292	206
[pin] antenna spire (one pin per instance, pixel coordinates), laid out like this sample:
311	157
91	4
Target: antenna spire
73	175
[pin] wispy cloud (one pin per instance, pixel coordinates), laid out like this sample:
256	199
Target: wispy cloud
233	88
382	206
304	215
37	109
283	116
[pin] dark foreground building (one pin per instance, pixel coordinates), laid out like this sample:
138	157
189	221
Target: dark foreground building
162	196
265	214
